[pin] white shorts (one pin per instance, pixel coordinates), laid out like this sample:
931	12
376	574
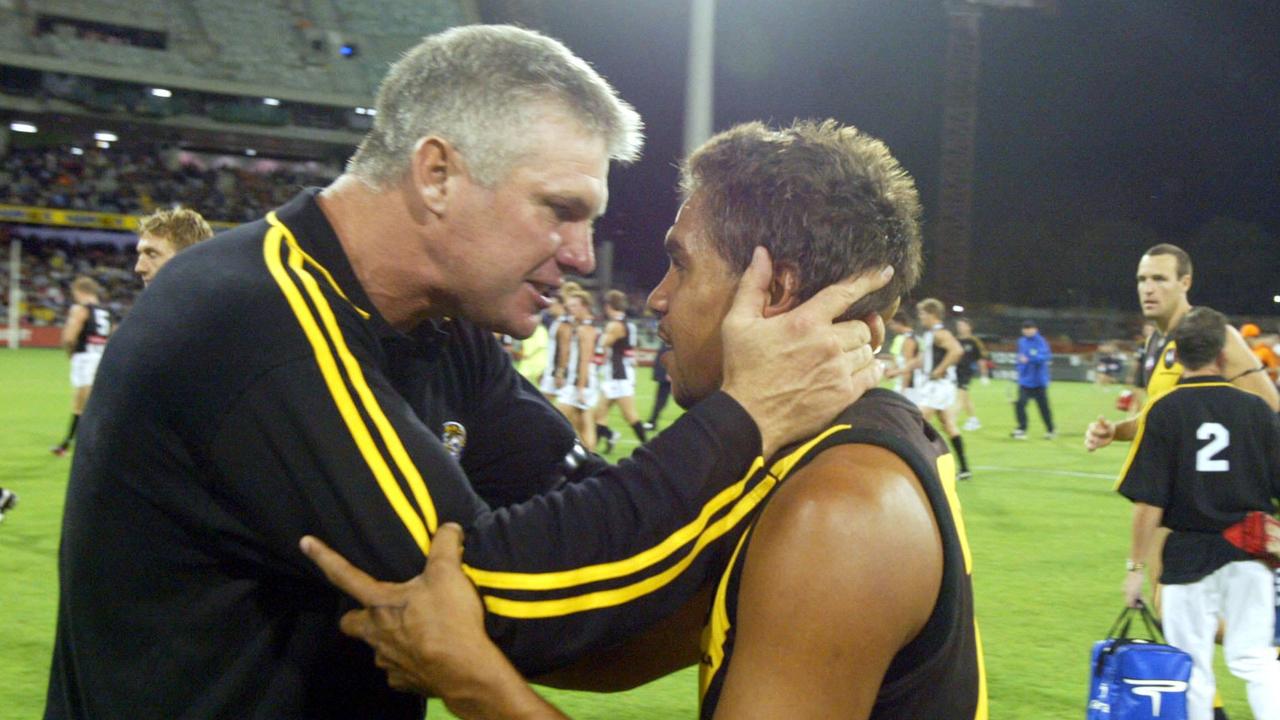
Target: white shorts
934	394
614	388
84	366
575	397
548	385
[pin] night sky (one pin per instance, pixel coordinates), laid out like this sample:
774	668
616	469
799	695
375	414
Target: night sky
1103	128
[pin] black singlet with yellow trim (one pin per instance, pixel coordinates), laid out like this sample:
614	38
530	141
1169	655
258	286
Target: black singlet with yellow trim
1160	369
938	675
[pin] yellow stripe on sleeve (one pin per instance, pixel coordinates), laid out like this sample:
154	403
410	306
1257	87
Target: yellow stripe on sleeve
336	385
526	609
498	580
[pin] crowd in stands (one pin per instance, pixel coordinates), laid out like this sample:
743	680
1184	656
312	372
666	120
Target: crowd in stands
137	182
49	266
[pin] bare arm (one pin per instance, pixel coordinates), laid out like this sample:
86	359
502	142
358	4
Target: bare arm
1240	362
564	336
668	646
613	330
586	353
1146	523
816	635
76	318
947	342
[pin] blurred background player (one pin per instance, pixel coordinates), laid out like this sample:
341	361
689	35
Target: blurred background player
972	363
933	384
577	396
1034	361
8	501
618	373
663	387
1207	454
902	349
165	233
84	337
553	316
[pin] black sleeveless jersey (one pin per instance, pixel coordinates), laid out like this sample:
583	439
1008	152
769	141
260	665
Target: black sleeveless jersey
96	329
938	675
622	353
1160	368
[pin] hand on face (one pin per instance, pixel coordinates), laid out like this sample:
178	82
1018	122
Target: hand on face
796	371
427	633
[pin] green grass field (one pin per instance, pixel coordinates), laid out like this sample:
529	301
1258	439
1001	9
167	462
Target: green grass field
1049	538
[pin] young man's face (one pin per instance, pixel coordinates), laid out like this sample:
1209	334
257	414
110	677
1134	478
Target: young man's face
1160	291
1028	332
507	246
153	252
692	300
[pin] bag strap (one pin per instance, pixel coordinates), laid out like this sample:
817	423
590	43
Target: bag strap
1120	628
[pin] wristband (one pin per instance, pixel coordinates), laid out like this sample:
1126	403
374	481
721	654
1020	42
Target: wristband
1131	566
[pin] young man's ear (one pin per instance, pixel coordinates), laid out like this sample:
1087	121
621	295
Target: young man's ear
783	289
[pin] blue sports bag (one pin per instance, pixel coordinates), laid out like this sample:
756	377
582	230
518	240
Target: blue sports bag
1137	679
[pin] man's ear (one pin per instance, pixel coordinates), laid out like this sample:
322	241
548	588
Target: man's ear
783	289
434	162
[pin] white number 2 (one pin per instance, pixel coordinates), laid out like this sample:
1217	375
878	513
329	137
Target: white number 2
1218	437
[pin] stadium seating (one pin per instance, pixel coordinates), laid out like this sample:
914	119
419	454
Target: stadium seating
286	44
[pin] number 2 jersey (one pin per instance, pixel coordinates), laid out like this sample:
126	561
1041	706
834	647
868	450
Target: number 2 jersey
939	674
1207	453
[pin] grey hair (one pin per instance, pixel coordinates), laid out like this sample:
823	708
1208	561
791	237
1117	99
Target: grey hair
479	87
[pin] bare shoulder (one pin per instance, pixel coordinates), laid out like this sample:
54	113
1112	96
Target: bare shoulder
862	511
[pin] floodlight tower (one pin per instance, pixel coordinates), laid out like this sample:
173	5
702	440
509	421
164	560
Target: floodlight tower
959	124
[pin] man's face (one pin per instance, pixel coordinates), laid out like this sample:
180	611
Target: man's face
692	300
1160	291
507	246
1028	332
153	253
577	308
963	328
927	319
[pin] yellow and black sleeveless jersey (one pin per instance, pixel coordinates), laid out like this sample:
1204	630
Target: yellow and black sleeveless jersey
938	675
1160	369
1208	453
255	395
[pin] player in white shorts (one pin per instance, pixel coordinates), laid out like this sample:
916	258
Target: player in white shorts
577	397
934	383
84	337
618	370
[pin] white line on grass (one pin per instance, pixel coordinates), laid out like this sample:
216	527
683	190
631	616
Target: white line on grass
1043	471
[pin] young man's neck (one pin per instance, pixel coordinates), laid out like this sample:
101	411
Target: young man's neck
1168	324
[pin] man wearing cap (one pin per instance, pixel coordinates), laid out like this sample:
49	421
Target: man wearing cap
1033	379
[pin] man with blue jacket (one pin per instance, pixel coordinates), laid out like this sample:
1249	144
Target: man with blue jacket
1033	379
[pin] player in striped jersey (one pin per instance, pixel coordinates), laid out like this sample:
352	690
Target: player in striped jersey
618	371
576	398
850	596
